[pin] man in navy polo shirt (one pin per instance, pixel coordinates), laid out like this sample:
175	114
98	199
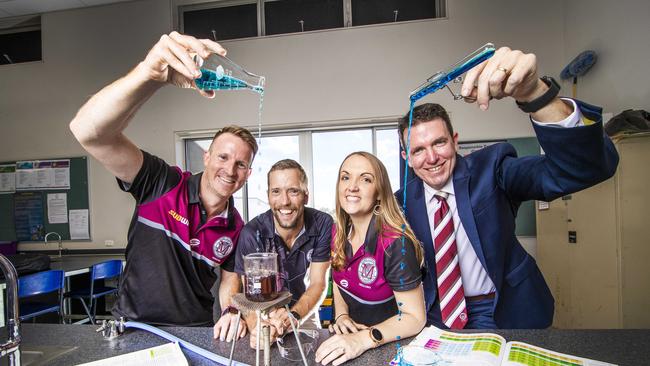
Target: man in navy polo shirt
185	226
300	235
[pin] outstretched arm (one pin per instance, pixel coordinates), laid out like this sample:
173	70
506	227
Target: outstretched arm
100	123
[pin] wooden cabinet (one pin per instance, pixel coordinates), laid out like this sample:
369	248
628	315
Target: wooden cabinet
594	247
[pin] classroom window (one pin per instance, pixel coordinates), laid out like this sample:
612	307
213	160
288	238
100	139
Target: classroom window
21	41
220	22
233	19
290	16
319	152
366	12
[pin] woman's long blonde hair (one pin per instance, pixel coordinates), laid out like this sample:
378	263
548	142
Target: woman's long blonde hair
389	214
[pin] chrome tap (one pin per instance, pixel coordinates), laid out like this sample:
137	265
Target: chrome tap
60	241
10	347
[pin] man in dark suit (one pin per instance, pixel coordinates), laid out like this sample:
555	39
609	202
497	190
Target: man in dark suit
463	208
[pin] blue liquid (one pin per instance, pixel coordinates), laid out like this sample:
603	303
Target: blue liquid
259	119
209	81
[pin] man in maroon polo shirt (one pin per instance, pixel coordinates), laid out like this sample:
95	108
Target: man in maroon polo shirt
185	226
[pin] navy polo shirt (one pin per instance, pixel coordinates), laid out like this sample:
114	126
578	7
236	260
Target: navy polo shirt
380	267
313	245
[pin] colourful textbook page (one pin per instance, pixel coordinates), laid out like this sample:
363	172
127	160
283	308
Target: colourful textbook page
479	349
518	353
169	354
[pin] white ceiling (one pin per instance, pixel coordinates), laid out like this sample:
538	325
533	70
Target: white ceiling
11	8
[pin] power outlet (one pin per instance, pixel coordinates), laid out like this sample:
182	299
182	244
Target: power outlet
109	243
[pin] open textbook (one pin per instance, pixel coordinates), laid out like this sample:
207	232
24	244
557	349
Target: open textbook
488	349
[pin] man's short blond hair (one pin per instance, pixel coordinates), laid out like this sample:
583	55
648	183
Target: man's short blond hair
240	132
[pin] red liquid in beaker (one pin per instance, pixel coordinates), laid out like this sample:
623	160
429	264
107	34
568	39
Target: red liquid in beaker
260	288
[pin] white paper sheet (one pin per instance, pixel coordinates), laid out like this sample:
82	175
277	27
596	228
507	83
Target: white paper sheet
79	224
43	174
7	178
57	208
169	354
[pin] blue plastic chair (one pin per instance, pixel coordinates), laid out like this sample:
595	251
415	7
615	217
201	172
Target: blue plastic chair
88	296
40	283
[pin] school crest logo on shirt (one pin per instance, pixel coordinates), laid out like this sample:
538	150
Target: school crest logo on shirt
367	270
222	247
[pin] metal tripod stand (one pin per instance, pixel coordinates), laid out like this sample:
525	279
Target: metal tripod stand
243	304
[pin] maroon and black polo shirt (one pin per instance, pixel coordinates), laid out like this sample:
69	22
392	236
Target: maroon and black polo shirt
173	250
380	267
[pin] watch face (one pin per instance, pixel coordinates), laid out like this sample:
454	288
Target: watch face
376	334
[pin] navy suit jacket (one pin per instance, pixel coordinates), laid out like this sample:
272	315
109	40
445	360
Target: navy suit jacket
490	185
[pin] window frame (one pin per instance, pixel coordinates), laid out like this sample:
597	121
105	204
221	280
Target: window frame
180	7
22	24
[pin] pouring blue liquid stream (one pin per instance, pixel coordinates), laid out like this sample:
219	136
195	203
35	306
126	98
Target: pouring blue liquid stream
436	82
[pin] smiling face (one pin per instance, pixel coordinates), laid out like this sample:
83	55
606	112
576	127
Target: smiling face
227	166
433	152
287	198
356	188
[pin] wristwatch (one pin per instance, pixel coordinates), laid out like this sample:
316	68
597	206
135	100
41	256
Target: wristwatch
544	99
295	315
376	336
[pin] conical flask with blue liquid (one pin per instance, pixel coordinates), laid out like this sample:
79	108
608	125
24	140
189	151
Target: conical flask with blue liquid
220	73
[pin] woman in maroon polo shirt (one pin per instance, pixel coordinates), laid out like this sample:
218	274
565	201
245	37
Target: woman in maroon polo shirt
376	262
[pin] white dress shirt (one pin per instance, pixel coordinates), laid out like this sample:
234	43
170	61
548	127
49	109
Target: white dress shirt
476	280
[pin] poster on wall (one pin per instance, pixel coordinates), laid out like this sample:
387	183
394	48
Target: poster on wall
43	174
28	216
7	178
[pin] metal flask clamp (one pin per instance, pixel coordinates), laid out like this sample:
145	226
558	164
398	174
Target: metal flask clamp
454	73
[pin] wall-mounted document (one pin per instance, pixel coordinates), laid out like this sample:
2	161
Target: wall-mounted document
43	174
79	224
7	178
57	208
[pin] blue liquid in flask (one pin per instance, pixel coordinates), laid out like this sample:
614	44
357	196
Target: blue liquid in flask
209	80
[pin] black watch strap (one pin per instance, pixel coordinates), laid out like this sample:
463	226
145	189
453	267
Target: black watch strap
544	99
295	314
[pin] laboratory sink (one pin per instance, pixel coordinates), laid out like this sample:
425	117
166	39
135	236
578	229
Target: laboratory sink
38	355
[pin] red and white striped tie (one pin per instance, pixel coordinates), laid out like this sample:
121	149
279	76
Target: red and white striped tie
450	284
